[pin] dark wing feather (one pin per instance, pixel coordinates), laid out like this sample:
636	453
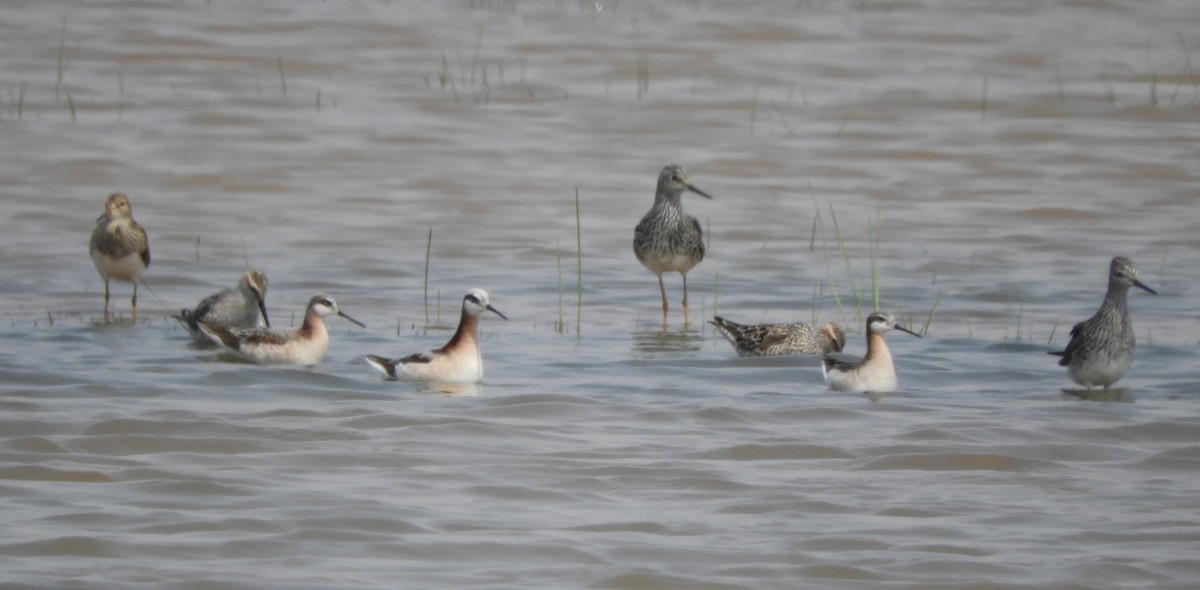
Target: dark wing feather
235	338
1068	353
769	339
387	365
831	362
419	357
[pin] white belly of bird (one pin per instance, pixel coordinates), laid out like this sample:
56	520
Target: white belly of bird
450	368
293	352
128	268
1101	373
874	376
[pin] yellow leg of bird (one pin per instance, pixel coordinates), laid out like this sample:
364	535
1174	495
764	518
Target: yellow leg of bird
663	291
685	307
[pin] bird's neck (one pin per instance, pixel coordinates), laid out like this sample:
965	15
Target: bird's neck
467	330
1115	297
877	350
313	326
664	200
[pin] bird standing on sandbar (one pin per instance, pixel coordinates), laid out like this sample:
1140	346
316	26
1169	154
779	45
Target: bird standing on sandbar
781	339
667	240
1101	347
875	372
242	307
459	361
119	247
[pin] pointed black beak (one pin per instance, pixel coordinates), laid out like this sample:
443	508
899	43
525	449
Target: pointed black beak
698	191
262	306
360	324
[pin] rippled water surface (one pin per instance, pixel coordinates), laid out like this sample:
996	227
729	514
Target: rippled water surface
987	159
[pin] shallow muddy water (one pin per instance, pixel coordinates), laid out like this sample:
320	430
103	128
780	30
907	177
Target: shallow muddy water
989	158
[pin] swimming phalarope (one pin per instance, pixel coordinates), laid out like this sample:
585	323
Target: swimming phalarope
459	361
781	339
1101	347
667	240
241	307
119	247
875	372
305	345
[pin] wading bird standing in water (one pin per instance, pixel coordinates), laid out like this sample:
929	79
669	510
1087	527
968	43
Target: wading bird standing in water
1101	347
667	240
119	247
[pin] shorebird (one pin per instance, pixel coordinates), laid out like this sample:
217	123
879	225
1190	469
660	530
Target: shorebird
781	339
459	361
875	372
667	240
1101	347
305	345
119	247
241	307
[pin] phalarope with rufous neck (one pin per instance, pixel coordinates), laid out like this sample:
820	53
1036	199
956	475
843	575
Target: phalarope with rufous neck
875	372
305	345
119	247
1101	347
459	361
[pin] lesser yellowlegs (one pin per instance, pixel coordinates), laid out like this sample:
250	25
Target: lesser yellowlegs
1101	347
667	240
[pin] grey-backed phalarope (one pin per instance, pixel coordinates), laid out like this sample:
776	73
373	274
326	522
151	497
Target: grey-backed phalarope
305	345
241	307
781	339
1101	347
119	247
667	240
875	372
459	361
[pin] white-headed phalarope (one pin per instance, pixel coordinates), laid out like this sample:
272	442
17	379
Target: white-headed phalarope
667	240
305	345
781	339
119	247
875	372
459	361
241	307
1101	347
